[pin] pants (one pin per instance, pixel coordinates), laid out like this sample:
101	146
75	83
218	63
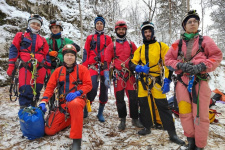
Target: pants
75	109
129	88
25	88
188	111
157	101
103	95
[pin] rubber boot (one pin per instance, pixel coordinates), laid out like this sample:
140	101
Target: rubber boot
100	113
174	138
144	131
76	144
137	123
198	148
191	143
122	124
85	112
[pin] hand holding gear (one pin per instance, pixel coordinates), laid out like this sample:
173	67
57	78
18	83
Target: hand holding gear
107	81
166	86
53	53
43	107
10	69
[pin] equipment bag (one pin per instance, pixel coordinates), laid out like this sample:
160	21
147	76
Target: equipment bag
31	122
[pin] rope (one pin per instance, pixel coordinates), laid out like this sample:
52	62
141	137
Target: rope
34	77
197	116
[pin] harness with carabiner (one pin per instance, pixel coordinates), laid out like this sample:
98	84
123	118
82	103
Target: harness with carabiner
60	97
122	74
194	79
150	80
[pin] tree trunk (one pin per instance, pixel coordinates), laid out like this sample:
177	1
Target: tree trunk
81	30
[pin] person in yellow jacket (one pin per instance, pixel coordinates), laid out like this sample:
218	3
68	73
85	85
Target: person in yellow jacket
148	63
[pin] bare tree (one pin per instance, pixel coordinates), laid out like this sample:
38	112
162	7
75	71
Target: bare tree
81	28
151	8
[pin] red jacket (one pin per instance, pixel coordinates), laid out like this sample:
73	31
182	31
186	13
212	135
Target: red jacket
66	81
92	45
123	51
22	48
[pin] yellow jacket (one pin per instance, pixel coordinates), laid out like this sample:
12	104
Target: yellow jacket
153	58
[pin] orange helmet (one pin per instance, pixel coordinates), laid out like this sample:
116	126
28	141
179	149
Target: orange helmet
120	24
69	48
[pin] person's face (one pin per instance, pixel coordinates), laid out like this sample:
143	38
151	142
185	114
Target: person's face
121	30
148	34
55	29
35	25
99	26
69	59
192	25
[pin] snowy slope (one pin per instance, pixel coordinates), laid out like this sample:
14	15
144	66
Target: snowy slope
105	135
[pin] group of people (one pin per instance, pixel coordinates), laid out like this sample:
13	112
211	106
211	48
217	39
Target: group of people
143	73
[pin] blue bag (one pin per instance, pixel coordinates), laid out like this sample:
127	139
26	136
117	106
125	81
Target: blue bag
31	122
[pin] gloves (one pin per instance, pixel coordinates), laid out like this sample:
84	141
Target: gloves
53	53
10	69
144	68
43	107
138	68
166	86
197	69
72	96
106	75
185	67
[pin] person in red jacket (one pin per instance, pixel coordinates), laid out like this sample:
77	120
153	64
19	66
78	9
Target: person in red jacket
32	52
93	58
192	57
118	55
72	83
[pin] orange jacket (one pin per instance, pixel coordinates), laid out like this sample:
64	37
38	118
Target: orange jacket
67	81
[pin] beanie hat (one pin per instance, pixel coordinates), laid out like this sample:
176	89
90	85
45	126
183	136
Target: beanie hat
99	18
190	14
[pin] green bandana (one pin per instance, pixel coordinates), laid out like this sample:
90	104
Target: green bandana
187	36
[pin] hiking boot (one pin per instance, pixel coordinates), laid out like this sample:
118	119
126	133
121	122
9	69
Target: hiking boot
76	144
122	124
137	123
174	138
144	131
191	143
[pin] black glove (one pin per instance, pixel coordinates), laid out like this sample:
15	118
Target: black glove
197	69
185	67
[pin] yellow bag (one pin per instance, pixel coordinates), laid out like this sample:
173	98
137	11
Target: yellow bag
88	105
212	114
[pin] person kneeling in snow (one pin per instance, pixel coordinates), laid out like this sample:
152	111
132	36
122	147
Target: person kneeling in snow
71	83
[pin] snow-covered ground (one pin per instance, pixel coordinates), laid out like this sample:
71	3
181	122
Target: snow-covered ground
105	135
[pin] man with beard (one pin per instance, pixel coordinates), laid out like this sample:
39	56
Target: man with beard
119	54
148	62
